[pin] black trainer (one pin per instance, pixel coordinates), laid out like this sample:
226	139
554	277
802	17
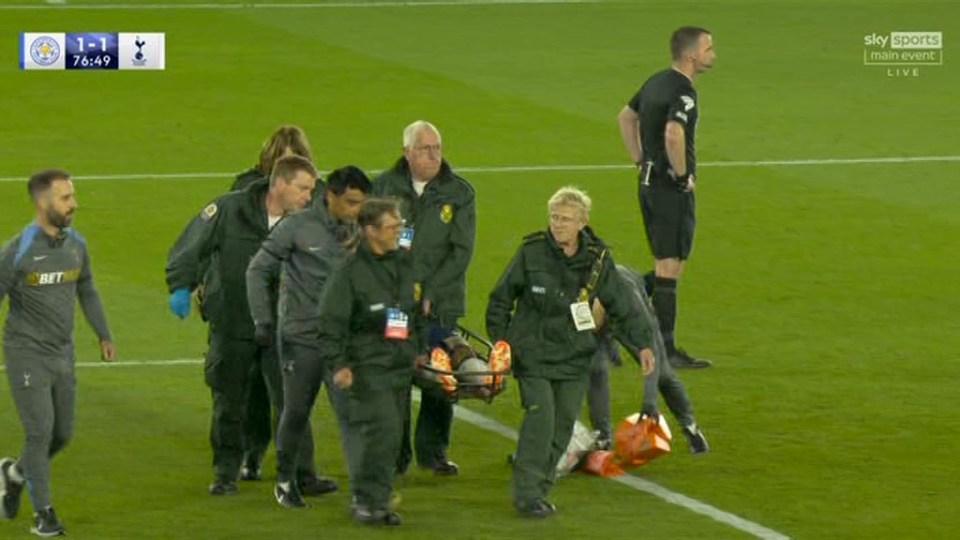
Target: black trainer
12	489
360	513
250	474
535	508
365	516
443	467
221	487
390	518
314	486
288	495
552	508
696	439
681	360
46	524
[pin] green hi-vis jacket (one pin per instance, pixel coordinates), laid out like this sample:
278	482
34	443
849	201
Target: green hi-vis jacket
530	307
444	220
353	320
222	239
247	179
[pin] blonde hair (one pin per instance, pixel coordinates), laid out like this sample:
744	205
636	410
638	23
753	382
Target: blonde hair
284	137
573	197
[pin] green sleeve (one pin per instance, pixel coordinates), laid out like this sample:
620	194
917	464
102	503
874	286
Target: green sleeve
188	257
379	185
463	235
421	332
628	324
336	309
263	273
503	298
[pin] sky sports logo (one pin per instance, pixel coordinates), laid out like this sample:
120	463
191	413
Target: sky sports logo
905	51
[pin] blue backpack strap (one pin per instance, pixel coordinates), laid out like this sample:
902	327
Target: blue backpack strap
26	240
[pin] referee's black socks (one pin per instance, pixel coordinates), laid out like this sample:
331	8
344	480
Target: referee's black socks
665	304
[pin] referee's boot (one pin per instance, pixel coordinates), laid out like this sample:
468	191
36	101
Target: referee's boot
679	359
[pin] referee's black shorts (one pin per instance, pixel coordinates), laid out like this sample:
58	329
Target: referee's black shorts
669	217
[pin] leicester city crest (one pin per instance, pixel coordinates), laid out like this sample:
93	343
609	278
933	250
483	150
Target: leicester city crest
45	51
446	213
208	212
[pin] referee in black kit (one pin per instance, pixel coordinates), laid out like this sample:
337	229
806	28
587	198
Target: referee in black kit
658	128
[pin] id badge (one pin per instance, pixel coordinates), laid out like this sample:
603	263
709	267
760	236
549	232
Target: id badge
398	325
582	316
406	238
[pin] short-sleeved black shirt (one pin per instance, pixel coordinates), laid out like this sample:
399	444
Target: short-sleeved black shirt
667	95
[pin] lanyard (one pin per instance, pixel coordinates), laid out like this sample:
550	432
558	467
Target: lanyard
592	278
595	270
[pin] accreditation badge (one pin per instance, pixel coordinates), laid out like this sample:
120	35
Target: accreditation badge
398	325
582	316
406	238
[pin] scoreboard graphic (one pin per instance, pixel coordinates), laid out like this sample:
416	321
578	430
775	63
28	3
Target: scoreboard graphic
92	50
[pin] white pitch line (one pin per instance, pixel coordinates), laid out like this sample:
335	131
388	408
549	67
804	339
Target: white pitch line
549	168
137	363
646	486
289	5
679	499
489	424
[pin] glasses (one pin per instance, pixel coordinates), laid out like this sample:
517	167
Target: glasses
393	227
562	220
429	148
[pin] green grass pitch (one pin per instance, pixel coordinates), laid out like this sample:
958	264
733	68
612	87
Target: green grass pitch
826	294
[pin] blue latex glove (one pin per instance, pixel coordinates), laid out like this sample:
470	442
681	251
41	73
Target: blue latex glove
180	302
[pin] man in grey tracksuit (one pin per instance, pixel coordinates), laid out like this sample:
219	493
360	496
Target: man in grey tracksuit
301	252
664	378
44	270
598	393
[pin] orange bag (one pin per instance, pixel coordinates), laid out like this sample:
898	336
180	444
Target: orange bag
602	463
641	439
500	361
440	360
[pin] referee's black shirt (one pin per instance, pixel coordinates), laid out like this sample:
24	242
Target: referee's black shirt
666	96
